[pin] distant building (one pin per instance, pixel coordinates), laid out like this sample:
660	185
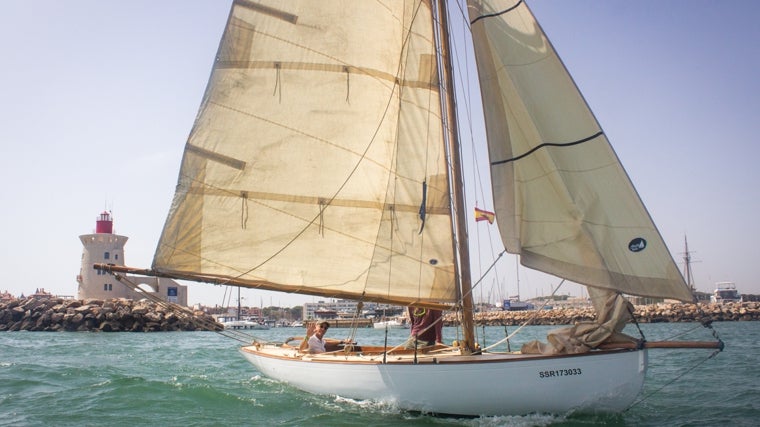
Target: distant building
5	296
40	293
105	247
346	309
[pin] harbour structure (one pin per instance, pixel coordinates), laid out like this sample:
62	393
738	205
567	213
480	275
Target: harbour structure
107	247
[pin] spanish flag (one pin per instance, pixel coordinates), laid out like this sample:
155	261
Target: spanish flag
481	215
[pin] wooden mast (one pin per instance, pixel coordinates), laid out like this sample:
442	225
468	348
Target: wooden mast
461	246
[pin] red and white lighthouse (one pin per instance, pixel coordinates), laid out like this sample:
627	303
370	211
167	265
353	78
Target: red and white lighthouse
104	223
103	246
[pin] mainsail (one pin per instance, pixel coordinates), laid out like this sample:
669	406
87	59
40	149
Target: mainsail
316	163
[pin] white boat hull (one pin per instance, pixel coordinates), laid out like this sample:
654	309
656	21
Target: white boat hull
502	384
244	324
390	324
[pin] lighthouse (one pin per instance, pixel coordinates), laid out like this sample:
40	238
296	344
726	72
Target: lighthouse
105	247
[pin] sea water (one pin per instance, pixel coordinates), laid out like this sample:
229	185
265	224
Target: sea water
200	379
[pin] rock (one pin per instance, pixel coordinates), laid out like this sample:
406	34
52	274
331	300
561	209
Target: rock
57	314
658	313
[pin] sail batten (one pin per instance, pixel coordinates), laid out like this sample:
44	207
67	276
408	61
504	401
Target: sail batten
268	10
340	69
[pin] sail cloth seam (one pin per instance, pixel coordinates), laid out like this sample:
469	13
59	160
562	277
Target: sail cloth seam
240	164
256	195
321	226
547	144
328	202
491	15
330	68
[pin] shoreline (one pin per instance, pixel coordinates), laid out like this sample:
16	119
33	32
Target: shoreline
655	313
123	315
114	315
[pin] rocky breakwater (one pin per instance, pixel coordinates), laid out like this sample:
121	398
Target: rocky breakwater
116	315
656	313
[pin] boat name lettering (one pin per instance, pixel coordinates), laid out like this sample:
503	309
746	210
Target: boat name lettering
560	373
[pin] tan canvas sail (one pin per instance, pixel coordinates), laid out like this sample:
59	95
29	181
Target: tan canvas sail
316	161
562	199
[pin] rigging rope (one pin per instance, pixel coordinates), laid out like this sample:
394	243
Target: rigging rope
629	307
528	321
185	313
673	380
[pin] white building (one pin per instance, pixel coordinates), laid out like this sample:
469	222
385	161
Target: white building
345	309
105	247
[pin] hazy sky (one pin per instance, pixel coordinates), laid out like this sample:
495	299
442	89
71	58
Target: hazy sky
98	98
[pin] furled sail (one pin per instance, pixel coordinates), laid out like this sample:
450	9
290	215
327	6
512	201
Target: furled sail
562	198
316	163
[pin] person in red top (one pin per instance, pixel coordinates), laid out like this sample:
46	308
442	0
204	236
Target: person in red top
426	327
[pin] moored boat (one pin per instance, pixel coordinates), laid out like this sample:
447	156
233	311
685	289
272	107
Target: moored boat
725	292
390	324
235	323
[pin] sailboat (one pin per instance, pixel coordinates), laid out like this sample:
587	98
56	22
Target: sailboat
390	323
325	160
238	322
